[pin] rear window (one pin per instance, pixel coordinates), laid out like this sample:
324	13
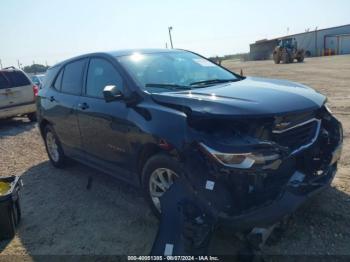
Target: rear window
3	82
50	75
58	82
16	78
72	77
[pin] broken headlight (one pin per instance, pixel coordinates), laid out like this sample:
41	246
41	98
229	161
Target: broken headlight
240	160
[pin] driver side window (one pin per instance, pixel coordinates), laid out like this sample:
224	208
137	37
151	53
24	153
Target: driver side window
100	74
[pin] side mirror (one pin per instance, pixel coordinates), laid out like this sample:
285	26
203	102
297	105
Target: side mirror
111	93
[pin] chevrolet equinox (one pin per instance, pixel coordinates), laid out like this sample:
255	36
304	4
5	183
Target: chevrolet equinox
151	116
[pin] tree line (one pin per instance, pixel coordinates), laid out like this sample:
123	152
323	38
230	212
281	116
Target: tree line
35	69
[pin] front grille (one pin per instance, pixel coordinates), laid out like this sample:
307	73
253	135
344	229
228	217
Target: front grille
299	136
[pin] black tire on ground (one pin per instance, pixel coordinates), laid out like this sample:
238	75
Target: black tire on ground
276	58
157	161
300	59
61	161
285	57
291	59
32	117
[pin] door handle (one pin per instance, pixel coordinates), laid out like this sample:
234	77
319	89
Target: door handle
52	98
83	106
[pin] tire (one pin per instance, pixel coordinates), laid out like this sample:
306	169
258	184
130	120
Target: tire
155	166
54	148
285	57
291	59
300	59
276	58
32	117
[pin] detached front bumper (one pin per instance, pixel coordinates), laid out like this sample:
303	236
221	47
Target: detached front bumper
296	193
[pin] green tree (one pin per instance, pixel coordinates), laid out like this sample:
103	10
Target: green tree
35	68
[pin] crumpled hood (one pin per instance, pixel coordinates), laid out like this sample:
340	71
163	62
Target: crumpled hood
249	97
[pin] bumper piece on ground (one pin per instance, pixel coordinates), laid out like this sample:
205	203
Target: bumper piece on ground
188	221
185	228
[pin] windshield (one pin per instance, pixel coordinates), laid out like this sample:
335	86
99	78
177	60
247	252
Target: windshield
166	71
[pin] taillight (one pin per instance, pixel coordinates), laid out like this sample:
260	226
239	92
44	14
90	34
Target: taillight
35	90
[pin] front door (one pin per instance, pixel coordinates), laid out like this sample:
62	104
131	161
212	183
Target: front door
103	125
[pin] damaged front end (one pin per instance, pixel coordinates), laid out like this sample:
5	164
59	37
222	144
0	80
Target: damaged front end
268	167
247	174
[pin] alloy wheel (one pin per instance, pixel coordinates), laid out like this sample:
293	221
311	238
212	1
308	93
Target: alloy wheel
52	147
160	181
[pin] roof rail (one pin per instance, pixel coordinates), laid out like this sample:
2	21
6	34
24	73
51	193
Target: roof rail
10	67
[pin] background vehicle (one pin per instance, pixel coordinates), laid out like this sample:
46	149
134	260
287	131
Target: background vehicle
153	116
37	79
17	94
287	50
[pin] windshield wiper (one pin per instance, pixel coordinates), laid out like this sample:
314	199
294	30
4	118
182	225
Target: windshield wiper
169	86
213	81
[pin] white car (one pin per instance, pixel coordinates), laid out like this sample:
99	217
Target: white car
17	94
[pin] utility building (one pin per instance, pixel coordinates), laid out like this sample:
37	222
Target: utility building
329	41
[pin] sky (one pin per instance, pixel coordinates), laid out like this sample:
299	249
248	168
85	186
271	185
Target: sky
49	31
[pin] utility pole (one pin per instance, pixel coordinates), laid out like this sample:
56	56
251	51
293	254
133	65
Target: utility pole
316	51
18	63
0	64
166	45
171	41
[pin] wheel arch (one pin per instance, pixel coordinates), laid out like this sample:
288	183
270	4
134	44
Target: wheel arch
43	123
149	150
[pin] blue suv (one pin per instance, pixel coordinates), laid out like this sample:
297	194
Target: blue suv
150	117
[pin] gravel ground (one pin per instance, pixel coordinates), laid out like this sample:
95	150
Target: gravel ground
62	217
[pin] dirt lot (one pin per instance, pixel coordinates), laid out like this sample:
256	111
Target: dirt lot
60	216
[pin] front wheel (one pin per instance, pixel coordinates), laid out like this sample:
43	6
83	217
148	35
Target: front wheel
276	58
53	148
285	57
158	174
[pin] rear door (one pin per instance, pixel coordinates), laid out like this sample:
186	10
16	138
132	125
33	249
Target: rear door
15	89
61	105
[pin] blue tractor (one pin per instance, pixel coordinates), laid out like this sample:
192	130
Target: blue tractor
287	50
